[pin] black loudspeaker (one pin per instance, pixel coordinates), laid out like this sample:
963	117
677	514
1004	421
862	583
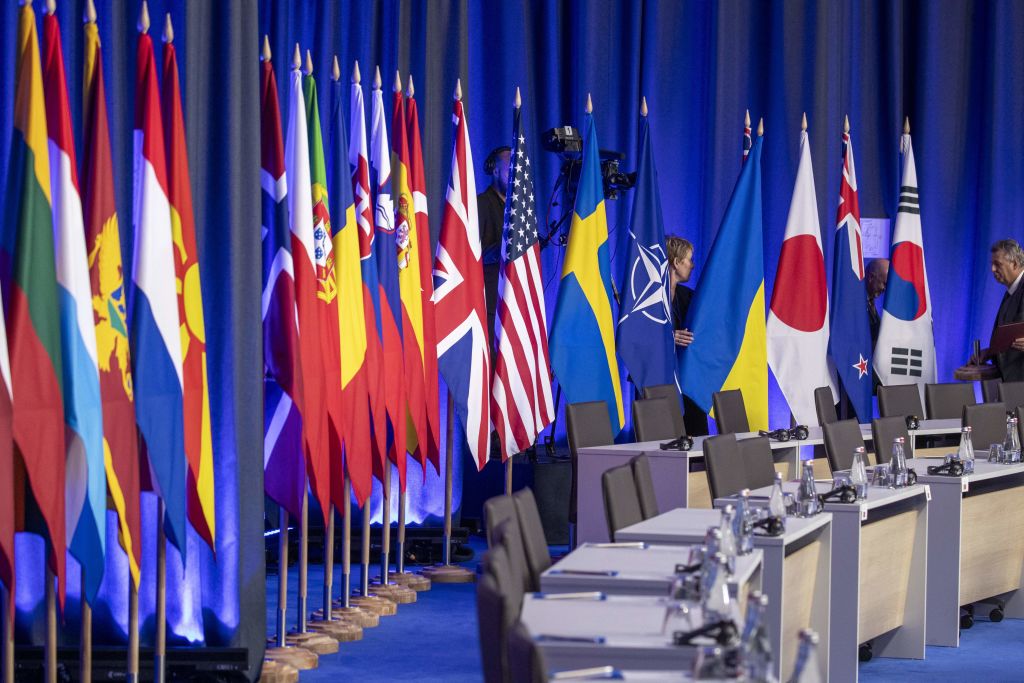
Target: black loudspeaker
552	482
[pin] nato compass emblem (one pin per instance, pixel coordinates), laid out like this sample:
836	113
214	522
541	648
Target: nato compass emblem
647	284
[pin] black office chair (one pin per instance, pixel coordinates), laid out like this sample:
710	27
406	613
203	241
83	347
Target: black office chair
724	466
508	536
841	439
884	431
621	504
644	486
1012	394
730	412
825	406
987	422
947	401
498	605
535	544
497	510
670	392
525	659
586	424
652	420
900	400
758	463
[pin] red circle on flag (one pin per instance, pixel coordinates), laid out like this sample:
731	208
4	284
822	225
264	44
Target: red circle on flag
800	298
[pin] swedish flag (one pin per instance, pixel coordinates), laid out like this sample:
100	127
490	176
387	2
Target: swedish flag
729	349
583	330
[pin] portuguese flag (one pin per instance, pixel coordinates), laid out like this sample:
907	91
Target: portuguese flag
33	323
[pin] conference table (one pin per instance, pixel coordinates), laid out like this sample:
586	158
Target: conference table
637	569
796	568
975	543
675	486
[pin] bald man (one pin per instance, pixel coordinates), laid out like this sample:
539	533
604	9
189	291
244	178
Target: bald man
874	280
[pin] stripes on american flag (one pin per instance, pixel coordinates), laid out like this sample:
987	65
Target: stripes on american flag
521	391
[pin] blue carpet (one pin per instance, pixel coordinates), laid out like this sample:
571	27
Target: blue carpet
436	639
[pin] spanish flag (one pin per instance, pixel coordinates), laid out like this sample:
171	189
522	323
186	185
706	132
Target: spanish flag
33	319
583	330
196	392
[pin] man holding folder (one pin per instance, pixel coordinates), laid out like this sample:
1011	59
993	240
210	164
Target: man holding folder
1007	346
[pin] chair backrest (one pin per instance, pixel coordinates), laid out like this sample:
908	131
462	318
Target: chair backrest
498	606
525	659
900	400
644	485
496	511
586	424
652	420
841	439
884	431
670	392
758	463
621	504
1012	394
947	401
508	536
535	544
987	422
724	467
825	406
730	412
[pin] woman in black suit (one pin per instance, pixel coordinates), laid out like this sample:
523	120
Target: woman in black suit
680	266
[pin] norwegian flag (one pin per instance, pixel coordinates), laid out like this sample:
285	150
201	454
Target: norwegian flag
521	392
463	353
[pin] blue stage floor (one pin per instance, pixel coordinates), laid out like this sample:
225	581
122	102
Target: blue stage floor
436	639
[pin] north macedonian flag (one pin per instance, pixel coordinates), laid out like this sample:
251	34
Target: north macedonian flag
33	317
198	441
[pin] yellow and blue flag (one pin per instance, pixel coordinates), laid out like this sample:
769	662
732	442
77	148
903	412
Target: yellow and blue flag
583	330
729	349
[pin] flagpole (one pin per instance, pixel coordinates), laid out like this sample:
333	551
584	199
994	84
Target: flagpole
447	572
8	636
160	646
133	631
328	565
285	654
300	626
85	645
51	628
508	475
364	560
385	531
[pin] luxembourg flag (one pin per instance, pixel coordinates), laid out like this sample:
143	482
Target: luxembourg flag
905	352
798	318
154	322
86	479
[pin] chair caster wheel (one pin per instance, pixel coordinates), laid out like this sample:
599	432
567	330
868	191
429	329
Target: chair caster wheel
996	615
966	621
865	652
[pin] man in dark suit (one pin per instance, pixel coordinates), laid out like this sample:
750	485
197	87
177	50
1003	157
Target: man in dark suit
491	214
875	279
1008	269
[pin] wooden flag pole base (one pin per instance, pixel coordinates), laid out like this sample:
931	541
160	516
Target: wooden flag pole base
382	607
278	672
316	643
359	616
411	580
447	572
341	630
400	595
296	657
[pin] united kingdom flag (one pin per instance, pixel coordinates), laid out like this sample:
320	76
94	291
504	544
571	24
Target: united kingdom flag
463	352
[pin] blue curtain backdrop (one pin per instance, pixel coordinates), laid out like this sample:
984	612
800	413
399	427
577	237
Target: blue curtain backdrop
219	600
952	66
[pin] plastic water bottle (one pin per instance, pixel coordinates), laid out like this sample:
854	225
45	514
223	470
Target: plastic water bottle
898	463
728	544
807	669
718	604
965	453
1011	444
807	494
777	501
755	646
859	473
743	523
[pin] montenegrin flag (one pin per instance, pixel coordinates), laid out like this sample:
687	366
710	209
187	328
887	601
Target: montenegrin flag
798	319
198	441
86	488
428	347
109	306
284	470
351	320
33	311
155	324
729	350
407	246
583	330
390	299
307	285
359	165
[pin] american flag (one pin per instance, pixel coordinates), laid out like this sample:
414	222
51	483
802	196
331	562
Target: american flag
522	407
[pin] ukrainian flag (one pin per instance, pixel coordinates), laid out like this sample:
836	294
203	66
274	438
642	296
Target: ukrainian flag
583	330
729	349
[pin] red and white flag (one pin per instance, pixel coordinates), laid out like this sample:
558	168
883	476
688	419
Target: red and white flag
798	319
460	307
521	391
